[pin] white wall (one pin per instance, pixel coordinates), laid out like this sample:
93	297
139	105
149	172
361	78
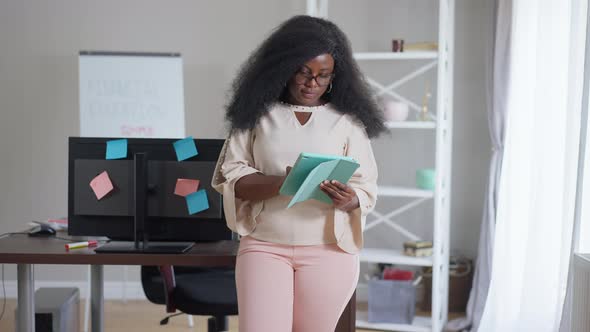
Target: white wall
471	143
40	40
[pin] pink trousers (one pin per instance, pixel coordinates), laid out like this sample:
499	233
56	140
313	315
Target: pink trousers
285	288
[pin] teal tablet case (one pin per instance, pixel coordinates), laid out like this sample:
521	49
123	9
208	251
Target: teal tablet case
310	170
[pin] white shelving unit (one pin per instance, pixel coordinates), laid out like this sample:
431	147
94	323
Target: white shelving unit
420	324
411	125
404	192
374	255
442	60
413	55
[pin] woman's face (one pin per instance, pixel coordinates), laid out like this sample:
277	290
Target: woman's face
311	81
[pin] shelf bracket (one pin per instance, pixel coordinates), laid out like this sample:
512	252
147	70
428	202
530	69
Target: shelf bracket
410	76
387	218
390	89
396	227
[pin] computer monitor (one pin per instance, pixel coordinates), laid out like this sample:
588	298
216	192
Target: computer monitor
142	208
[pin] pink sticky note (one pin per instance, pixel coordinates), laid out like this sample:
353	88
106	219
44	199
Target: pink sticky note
101	185
185	187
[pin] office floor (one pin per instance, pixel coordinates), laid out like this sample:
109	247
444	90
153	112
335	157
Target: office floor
135	316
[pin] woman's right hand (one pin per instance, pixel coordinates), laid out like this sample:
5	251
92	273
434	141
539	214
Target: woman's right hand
257	186
287	171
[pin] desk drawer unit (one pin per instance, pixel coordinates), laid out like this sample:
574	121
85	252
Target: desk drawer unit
56	310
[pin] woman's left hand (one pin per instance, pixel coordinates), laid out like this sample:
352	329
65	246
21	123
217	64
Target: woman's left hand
343	196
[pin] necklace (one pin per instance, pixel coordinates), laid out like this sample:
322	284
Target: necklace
300	108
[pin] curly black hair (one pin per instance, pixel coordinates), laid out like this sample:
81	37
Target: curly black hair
263	78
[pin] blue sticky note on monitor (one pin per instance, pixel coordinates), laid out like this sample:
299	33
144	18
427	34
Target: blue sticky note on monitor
197	201
185	148
117	149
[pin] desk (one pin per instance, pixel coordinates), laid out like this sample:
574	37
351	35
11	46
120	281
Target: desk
26	251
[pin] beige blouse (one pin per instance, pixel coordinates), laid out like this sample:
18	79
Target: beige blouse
274	144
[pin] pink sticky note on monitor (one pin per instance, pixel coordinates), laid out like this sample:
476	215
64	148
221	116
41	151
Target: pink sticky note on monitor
185	187
101	185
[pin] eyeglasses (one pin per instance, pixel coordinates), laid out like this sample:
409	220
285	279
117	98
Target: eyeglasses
321	79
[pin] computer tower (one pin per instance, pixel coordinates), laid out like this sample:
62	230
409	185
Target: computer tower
56	310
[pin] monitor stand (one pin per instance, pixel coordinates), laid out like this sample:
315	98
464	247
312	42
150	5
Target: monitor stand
151	248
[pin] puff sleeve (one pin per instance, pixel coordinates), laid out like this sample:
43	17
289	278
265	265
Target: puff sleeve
236	161
349	226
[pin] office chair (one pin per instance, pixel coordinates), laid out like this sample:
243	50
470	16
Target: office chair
194	291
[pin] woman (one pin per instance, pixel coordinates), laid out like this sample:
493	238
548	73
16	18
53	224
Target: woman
300	91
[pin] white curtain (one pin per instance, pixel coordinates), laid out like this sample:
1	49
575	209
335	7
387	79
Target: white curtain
534	220
581	220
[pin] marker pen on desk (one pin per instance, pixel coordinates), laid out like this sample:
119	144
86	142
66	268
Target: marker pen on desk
84	244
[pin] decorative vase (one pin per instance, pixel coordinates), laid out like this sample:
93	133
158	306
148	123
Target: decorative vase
395	110
425	178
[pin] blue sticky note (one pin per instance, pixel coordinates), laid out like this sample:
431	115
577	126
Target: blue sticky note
197	201
185	148
117	149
